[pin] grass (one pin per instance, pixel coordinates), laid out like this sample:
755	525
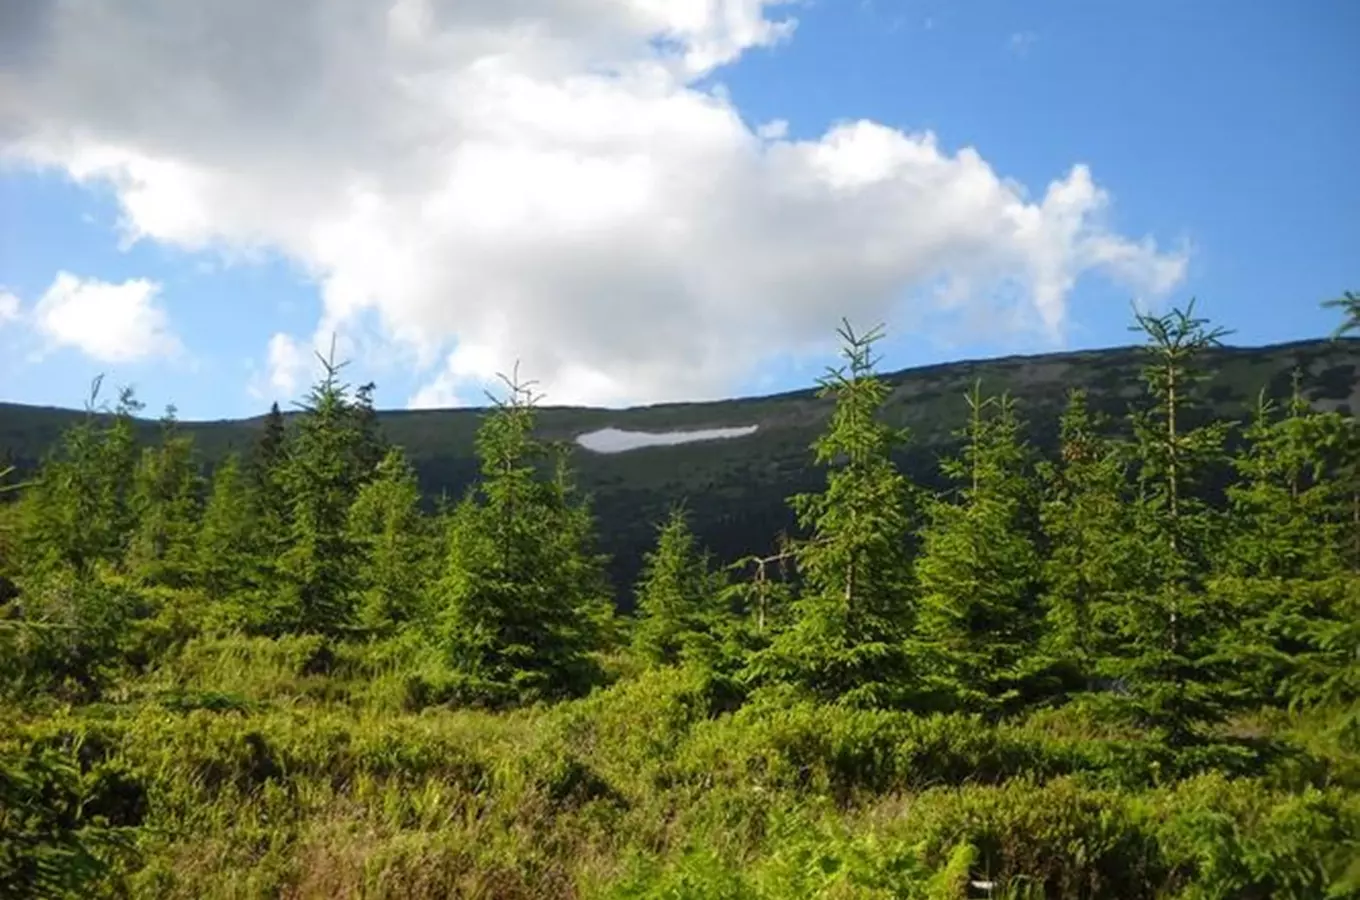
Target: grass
250	767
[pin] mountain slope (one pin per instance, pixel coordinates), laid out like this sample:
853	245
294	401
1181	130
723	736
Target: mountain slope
735	487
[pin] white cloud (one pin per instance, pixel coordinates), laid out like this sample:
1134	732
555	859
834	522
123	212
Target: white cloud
9	307
438	394
546	180
288	364
113	323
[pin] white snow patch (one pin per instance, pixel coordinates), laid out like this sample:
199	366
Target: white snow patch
614	440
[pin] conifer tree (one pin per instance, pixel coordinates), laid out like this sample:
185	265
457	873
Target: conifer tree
320	480
581	572
1348	485
370	446
677	596
265	478
850	621
77	512
520	600
979	570
227	549
1349	305
1328	672
1085	522
1285	502
1166	630
165	506
1284	581
270	449
394	542
8	533
75	521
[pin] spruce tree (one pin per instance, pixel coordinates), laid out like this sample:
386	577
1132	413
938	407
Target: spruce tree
1348	485
1085	522
1288	492
979	570
320	481
1349	305
1283	566
394	543
165	500
8	534
265	477
1166	633
370	446
270	449
227	551
521	597
582	569
74	522
677	597
76	513
855	609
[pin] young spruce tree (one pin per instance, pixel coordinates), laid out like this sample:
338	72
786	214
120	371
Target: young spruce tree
1165	629
1085	521
165	501
677	597
979	571
264	472
77	512
227	550
855	610
320	481
1284	576
394	543
522	597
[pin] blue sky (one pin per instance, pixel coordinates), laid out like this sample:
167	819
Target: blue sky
1217	130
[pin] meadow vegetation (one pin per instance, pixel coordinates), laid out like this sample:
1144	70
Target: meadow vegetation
1128	668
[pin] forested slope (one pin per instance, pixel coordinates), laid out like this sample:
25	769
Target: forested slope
736	489
1111	655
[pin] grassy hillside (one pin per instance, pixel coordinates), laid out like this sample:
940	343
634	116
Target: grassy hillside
736	488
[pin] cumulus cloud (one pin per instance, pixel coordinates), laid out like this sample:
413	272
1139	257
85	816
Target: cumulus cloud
440	393
288	363
557	182
113	323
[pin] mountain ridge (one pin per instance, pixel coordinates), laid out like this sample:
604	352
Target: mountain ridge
735	488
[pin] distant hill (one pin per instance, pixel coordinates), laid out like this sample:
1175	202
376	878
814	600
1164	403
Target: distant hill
735	486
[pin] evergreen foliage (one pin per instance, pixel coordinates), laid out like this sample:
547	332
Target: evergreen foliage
229	551
320	479
979	570
395	543
1164	628
1349	304
78	514
1085	521
522	596
264	472
856	607
166	493
678	617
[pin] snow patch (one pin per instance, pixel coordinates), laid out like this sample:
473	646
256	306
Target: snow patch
614	440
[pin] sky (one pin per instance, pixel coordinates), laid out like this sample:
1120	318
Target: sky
650	200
